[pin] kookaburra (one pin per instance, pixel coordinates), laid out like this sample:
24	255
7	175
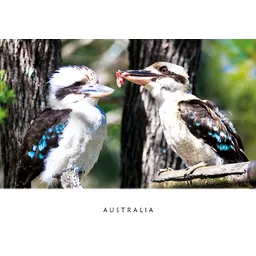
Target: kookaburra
70	132
196	130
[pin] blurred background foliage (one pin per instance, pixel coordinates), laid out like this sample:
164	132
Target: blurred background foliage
7	96
227	76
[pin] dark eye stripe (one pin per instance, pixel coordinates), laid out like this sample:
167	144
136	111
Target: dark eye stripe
63	92
178	78
166	88
77	84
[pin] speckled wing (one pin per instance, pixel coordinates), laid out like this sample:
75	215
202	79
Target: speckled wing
205	121
43	135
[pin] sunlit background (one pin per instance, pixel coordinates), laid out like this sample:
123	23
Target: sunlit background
227	75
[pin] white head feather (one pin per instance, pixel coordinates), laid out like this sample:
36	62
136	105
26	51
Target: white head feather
66	76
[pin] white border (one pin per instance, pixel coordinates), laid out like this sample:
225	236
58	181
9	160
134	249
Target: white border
184	222
72	222
128	19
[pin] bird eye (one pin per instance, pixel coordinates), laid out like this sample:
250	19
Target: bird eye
164	70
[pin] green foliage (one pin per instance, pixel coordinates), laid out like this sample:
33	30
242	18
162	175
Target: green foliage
7	96
227	76
86	54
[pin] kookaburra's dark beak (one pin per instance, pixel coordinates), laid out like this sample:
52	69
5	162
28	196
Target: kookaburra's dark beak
96	90
140	77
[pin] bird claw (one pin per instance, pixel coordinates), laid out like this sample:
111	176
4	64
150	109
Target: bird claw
168	169
187	175
191	169
57	176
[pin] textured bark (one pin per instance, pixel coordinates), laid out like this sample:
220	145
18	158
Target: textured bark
28	63
143	147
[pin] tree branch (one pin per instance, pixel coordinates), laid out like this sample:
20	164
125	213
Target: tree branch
228	175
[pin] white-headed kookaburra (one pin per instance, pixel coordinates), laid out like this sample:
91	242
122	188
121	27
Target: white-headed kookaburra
196	130
70	132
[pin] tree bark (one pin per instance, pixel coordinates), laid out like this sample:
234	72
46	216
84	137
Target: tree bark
28	63
143	147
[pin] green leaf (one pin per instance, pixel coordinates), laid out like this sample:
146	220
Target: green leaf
7	96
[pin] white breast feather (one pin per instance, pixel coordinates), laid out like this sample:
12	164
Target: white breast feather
80	146
191	149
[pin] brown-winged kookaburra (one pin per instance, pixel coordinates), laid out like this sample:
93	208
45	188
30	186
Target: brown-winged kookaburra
70	132
196	130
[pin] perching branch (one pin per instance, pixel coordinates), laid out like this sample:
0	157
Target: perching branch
228	175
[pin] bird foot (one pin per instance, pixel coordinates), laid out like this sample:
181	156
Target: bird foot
57	176
191	169
168	169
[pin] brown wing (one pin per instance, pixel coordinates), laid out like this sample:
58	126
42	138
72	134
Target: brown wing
226	121
43	135
214	128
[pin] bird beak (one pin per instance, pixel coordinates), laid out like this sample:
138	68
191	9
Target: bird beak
140	77
96	91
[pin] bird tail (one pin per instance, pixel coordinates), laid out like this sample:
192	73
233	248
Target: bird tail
20	182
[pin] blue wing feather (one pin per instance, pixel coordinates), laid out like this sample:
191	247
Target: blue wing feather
44	134
206	122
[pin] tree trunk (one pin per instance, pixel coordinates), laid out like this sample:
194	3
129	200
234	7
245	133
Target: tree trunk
28	63
143	147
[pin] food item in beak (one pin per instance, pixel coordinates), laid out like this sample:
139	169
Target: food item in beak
119	78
